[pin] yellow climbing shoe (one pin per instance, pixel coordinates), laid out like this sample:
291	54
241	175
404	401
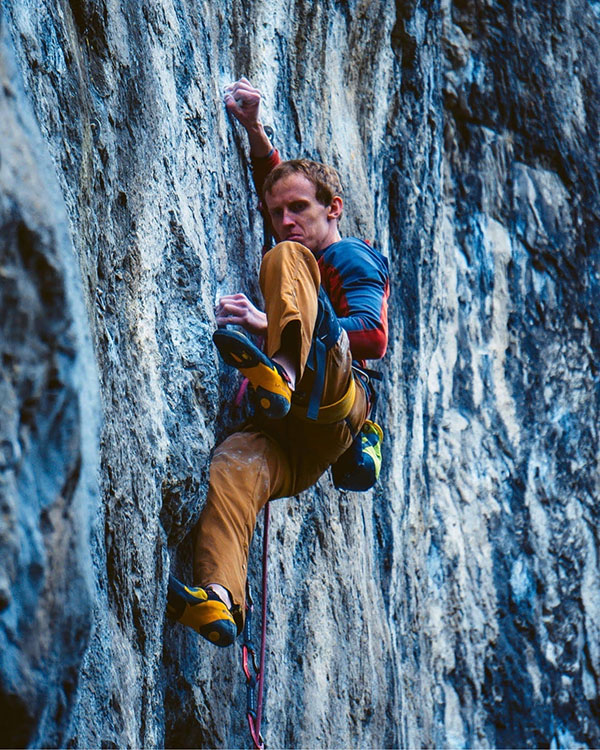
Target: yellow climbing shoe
202	610
268	378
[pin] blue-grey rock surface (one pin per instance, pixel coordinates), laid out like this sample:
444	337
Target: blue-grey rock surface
458	603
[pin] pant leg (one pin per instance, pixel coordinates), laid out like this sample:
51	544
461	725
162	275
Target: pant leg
289	280
247	469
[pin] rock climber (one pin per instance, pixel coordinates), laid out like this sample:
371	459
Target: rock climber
325	306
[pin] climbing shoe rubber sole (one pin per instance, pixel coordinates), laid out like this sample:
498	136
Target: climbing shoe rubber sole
267	377
202	610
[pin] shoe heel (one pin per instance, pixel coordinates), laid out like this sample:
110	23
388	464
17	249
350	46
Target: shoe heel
272	404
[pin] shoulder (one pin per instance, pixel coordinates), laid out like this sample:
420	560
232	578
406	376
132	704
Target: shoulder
354	253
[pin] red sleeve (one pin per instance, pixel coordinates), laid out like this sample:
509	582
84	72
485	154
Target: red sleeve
261	166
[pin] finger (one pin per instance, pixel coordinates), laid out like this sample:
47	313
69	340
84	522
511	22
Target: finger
238	82
229	297
238	94
228	312
244	83
232	310
230	100
223	310
233	109
245	89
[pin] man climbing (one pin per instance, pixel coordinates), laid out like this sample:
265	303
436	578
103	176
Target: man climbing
310	403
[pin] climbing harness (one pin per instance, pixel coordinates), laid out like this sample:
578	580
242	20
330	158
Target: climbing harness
255	672
330	413
327	331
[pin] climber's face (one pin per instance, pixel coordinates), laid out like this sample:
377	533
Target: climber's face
297	216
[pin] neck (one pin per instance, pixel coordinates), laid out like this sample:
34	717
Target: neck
333	236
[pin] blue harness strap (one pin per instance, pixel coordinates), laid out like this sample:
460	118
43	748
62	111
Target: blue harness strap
326	333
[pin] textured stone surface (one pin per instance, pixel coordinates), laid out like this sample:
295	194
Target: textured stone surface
49	406
458	603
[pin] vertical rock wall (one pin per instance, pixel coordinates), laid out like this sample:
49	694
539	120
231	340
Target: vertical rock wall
455	605
49	407
511	380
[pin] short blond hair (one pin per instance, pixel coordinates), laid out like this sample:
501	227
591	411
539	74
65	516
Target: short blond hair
325	178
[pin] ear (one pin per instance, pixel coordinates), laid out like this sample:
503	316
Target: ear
335	208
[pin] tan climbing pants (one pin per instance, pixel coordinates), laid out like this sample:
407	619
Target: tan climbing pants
273	458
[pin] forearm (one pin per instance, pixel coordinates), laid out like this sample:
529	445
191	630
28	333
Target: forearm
242	100
260	145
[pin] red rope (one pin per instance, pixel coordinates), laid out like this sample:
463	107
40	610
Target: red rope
255	717
257	680
241	391
263	632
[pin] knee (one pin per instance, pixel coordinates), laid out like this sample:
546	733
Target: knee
238	459
289	258
284	251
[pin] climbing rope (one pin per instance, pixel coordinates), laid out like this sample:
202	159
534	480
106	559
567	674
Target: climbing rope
255	672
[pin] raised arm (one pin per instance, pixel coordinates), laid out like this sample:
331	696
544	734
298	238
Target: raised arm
243	102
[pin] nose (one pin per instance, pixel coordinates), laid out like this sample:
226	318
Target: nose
286	219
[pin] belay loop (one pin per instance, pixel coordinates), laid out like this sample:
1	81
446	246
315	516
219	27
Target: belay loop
255	673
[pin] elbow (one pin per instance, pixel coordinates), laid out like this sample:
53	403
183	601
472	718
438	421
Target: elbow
378	345
369	345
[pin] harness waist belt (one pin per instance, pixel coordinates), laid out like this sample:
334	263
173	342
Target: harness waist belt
330	413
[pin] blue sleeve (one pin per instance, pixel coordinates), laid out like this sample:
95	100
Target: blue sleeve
355	277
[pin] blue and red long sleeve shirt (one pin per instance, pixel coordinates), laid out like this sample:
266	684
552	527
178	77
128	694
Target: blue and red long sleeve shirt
356	279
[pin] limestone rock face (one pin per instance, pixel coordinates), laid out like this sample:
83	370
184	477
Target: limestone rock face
456	604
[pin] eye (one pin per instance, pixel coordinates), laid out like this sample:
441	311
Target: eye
298	206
